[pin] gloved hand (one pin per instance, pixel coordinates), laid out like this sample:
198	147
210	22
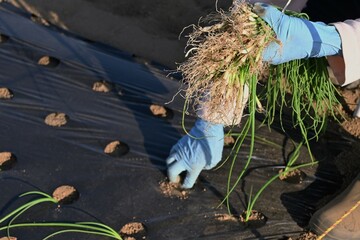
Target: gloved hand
299	38
201	149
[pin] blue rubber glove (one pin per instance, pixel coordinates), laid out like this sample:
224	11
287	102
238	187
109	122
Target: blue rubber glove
299	38
201	149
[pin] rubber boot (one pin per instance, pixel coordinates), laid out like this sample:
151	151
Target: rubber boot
349	227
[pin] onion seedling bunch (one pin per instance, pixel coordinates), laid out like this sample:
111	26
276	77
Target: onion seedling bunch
223	69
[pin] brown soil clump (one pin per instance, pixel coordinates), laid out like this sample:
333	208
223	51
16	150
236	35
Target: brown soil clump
8	238
7	160
229	141
111	147
5	93
226	218
295	176
171	190
48	61
56	119
65	194
101	87
132	230
158	110
255	216
305	236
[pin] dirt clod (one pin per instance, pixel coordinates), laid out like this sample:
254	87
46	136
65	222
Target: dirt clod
111	147
133	229
65	194
226	217
170	189
101	87
5	93
7	160
295	176
305	236
8	238
255	220
48	61
56	119
228	141
158	110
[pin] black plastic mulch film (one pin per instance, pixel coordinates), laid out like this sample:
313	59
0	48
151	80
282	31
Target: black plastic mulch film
116	190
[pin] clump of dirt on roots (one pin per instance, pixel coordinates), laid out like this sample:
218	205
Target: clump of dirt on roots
56	119
228	46
65	194
294	176
5	93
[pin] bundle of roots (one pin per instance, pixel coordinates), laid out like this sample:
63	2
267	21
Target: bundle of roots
222	57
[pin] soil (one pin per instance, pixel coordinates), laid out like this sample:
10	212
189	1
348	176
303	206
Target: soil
158	110
256	219
351	98
116	149
226	217
171	190
101	87
296	176
305	236
133	230
65	194
56	119
229	141
48	61
7	160
5	93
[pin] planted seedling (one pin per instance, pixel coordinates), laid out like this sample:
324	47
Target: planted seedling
94	228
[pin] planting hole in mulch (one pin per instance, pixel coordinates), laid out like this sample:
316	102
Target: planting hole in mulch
229	141
39	20
135	230
65	194
5	93
295	176
8	238
101	86
48	61
56	119
116	149
256	219
7	160
170	189
161	111
3	38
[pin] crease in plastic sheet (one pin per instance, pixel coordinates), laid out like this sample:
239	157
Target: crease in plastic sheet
118	190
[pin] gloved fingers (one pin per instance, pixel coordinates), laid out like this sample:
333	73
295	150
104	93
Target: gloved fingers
270	14
191	177
174	171
170	159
